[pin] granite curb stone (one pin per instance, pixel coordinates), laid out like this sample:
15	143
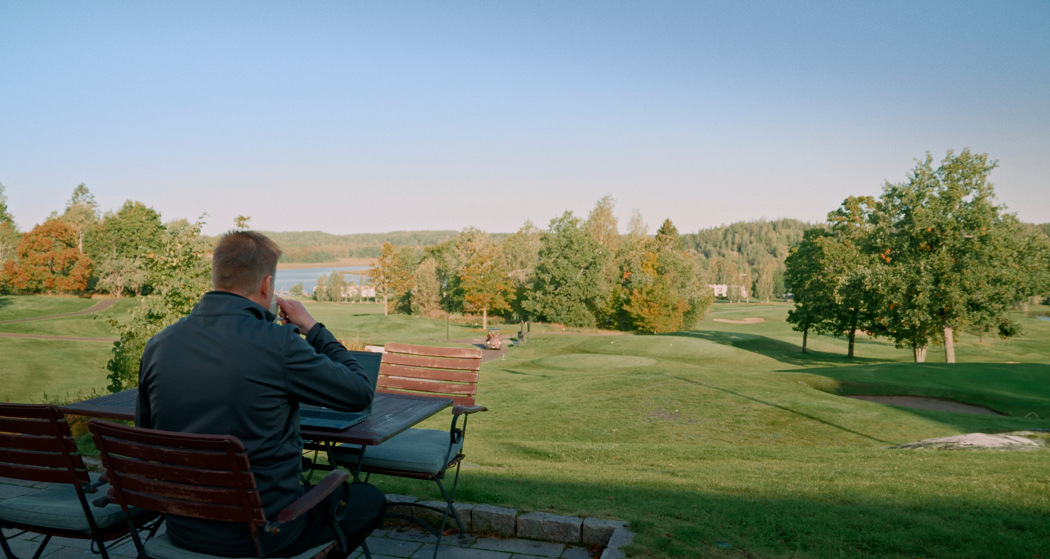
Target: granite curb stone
549	527
508	523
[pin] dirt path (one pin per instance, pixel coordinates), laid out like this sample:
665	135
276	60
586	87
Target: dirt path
99	306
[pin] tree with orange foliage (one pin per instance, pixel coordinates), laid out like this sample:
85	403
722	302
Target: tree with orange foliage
49	260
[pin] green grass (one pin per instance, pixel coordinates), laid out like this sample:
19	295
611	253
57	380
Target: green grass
14	307
727	441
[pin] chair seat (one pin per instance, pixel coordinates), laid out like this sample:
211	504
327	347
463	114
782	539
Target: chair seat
415	450
57	507
161	547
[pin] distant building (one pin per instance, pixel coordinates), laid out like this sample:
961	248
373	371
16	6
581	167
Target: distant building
722	290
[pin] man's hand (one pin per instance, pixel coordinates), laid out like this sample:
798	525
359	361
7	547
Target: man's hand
293	312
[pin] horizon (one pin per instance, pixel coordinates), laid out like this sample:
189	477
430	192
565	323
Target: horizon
352	118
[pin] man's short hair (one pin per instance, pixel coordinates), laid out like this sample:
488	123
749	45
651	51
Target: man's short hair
241	260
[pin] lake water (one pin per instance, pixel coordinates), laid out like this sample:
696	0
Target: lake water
285	279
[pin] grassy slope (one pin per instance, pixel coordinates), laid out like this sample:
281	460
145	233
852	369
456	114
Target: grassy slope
709	444
728	441
54	370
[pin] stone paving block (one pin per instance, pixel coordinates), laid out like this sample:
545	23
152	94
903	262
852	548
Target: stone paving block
523	547
598	531
549	527
494	520
391	547
575	552
427	552
621	537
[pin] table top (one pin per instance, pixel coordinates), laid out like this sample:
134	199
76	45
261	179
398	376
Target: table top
391	414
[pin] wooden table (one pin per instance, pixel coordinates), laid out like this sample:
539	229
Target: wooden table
391	414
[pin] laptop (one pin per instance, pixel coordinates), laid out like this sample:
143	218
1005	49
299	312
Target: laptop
316	417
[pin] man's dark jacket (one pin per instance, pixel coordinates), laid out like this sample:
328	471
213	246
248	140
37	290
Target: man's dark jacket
228	368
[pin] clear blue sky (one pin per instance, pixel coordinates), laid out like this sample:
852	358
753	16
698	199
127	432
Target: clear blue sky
351	117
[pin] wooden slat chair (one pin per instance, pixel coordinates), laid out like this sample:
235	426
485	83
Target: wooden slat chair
36	445
424	453
200	476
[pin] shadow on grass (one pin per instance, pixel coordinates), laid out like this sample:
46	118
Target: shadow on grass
789	410
776	349
1021	391
838	523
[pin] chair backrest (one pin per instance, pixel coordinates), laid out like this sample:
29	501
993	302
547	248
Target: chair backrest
200	476
431	371
36	445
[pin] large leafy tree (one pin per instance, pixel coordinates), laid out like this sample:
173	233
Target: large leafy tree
662	288
959	259
484	278
392	277
81	213
119	243
569	283
811	290
49	260
9	239
602	226
180	273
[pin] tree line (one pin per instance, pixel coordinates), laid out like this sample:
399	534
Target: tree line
577	272
930	258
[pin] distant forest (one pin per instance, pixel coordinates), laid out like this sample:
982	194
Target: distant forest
736	254
315	246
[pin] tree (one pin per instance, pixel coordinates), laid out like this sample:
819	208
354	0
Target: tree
297	289
521	250
335	286
321	289
662	289
426	295
601	225
959	260
9	239
130	234
812	294
117	273
766	282
48	260
180	273
242	222
81	213
484	279
392	277
569	283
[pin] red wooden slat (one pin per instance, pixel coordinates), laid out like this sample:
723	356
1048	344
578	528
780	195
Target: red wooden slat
225	494
32	473
466	352
30	426
34	442
456	400
221	511
434	388
212	459
41	459
432	362
180	474
432	374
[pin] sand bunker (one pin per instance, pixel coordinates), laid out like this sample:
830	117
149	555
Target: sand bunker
976	440
752	320
928	404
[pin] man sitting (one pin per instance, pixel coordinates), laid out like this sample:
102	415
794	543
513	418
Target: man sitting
229	368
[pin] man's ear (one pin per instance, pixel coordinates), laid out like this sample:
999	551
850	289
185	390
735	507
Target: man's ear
267	287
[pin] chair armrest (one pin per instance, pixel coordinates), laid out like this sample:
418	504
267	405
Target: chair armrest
466	410
315	496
